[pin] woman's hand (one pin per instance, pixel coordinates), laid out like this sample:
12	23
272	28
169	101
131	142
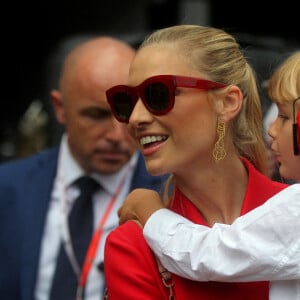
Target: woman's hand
139	205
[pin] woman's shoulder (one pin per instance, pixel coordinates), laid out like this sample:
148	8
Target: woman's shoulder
127	227
130	267
127	236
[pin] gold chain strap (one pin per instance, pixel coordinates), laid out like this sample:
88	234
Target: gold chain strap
166	278
105	297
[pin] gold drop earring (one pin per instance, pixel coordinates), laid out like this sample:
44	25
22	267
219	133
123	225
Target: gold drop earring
219	151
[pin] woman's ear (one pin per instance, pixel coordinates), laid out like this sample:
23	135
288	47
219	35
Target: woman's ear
232	103
58	106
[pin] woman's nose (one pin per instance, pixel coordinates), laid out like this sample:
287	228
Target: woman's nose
140	113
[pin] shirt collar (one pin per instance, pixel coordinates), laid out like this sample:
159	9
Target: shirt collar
71	170
109	182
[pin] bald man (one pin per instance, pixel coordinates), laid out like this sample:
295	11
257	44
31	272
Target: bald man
38	193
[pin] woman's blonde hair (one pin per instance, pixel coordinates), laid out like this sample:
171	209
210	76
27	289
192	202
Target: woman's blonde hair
218	55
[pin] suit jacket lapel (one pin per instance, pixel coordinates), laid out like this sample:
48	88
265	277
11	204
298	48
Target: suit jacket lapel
37	188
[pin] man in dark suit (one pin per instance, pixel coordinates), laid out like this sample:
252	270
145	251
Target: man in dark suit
38	192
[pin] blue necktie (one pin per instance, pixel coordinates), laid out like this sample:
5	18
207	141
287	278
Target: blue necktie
80	221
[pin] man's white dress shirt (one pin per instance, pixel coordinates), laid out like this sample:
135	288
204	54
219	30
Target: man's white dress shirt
62	199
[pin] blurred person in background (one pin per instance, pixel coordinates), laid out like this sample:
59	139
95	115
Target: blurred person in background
39	193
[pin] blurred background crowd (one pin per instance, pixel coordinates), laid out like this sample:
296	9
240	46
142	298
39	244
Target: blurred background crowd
40	33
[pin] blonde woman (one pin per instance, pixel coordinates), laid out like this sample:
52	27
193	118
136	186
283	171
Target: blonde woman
192	106
264	244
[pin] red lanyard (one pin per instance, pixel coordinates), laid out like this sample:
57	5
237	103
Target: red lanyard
93	246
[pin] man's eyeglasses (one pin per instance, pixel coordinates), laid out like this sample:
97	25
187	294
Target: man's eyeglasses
296	133
157	94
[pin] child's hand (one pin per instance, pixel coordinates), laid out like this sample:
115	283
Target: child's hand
139	205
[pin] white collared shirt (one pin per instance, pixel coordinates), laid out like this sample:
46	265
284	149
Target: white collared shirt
61	203
264	245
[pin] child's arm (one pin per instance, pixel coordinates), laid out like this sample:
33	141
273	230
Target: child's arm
264	244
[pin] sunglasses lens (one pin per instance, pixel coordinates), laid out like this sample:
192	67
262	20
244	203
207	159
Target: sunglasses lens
123	105
157	96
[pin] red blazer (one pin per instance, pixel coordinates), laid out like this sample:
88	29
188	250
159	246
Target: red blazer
131	270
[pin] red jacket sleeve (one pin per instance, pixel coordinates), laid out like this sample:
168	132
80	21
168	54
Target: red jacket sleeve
130	268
